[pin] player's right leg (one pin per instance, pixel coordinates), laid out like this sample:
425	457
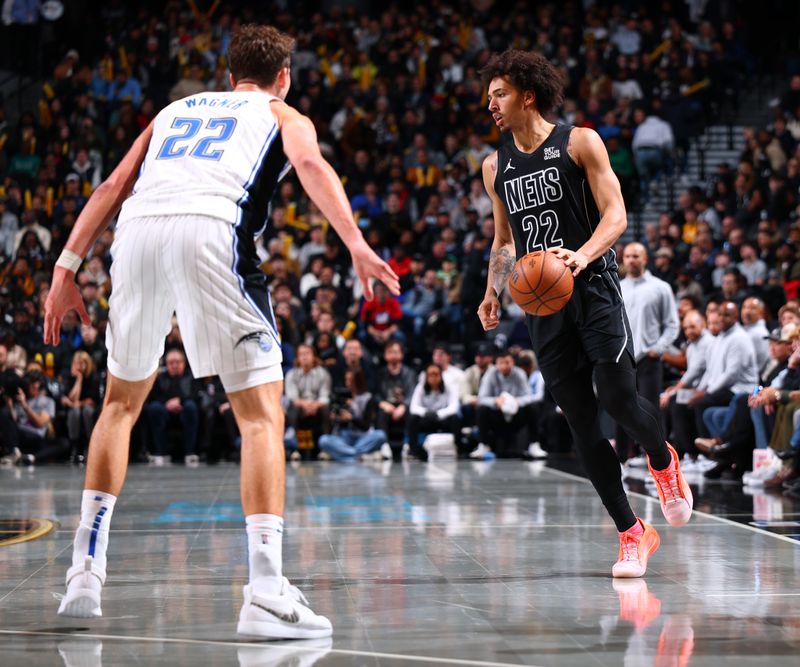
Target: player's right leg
273	608
106	466
575	396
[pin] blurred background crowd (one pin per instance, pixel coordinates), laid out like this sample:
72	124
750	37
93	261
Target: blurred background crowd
401	114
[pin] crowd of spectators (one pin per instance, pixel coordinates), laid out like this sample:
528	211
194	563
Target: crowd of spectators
400	112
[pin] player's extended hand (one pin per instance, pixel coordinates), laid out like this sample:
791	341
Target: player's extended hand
368	265
64	296
489	312
572	258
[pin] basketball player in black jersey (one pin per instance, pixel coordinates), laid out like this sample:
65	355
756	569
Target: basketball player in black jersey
552	188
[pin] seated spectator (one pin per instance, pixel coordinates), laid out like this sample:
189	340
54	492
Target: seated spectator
354	359
671	400
753	322
420	304
451	374
504	410
82	401
310	258
26	423
471	384
395	385
548	430
96	305
94	346
747	421
219	435
434	409
354	434
325	347
731	368
173	401
380	318
751	267
308	392
190	84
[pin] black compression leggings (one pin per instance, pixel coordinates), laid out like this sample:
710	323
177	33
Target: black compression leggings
616	394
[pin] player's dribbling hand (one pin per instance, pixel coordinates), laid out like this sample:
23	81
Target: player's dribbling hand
64	296
489	312
572	258
368	265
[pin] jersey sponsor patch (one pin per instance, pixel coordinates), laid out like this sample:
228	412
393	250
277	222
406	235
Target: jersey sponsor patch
551	153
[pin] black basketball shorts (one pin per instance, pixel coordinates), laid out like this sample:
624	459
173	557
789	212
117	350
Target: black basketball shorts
592	328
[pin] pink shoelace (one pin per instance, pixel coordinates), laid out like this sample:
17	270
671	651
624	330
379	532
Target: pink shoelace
668	481
630	546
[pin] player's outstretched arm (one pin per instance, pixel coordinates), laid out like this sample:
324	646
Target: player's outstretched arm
325	189
588	150
93	220
503	255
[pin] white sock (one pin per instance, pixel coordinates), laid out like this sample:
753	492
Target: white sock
265	549
91	538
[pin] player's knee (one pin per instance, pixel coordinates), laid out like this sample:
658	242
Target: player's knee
263	427
120	411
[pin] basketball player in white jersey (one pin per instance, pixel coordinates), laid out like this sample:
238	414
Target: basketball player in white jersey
194	191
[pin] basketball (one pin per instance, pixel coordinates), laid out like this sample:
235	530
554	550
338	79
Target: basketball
541	284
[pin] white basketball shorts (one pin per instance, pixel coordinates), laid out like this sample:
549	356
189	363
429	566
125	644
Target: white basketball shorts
206	271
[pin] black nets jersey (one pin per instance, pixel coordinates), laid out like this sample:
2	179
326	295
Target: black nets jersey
547	198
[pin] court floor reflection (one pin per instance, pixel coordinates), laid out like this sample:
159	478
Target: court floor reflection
481	563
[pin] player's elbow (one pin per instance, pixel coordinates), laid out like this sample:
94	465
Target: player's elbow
309	165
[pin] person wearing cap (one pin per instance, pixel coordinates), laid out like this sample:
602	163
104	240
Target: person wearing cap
774	374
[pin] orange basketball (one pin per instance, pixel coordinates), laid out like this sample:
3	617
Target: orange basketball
541	283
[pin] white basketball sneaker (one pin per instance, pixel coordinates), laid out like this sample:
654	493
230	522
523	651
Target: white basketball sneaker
283	616
84	585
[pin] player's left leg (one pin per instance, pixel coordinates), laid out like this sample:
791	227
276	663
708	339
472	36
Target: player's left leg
273	608
617	394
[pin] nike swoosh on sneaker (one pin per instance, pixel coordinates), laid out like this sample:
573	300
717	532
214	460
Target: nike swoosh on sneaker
286	618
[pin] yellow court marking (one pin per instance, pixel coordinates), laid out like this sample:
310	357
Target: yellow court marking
24	530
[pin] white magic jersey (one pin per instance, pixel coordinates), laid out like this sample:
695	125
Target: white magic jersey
211	154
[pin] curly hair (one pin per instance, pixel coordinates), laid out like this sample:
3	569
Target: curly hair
528	71
258	52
